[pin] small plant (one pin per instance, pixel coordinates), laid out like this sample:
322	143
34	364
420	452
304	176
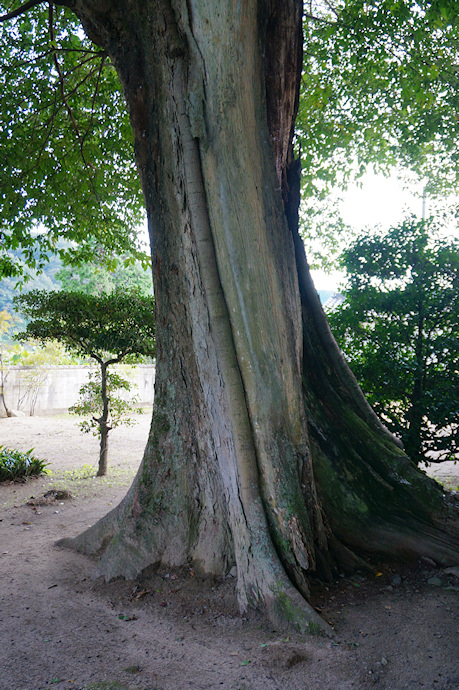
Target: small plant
17	465
106	410
90	403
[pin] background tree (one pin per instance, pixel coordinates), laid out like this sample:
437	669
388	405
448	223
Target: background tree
6	322
91	404
263	451
379	91
109	328
398	328
92	278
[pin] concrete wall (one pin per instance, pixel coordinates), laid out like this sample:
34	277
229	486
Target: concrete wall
44	390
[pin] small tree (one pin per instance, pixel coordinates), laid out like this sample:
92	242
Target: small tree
90	403
109	328
398	328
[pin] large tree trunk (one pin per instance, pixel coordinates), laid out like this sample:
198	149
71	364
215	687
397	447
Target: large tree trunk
262	453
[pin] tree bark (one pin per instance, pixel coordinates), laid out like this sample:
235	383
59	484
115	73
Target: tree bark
104	427
263	452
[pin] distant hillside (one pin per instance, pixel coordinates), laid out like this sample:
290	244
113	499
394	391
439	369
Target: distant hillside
88	278
9	287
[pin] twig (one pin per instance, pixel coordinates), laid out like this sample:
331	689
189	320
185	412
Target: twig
62	83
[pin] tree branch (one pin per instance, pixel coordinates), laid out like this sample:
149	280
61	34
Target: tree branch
46	53
118	358
322	20
62	82
21	10
88	129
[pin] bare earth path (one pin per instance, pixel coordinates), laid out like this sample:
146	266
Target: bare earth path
172	630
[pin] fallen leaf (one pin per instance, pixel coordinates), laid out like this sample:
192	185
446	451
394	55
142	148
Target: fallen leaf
245	663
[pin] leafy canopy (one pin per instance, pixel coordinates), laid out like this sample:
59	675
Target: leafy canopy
380	86
398	328
118	325
68	169
379	91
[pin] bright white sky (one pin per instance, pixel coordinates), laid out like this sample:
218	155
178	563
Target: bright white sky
378	201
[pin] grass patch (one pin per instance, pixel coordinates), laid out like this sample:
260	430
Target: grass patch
82	481
449	483
15	464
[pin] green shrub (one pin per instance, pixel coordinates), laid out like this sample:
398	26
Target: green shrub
17	465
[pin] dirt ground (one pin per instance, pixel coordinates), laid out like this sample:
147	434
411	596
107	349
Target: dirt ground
171	629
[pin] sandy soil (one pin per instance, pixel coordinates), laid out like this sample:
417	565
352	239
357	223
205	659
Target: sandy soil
173	630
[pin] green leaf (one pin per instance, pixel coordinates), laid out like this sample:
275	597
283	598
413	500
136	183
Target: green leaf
398	326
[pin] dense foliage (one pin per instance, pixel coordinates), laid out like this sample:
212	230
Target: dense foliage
116	325
380	86
380	89
398	328
67	147
94	279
